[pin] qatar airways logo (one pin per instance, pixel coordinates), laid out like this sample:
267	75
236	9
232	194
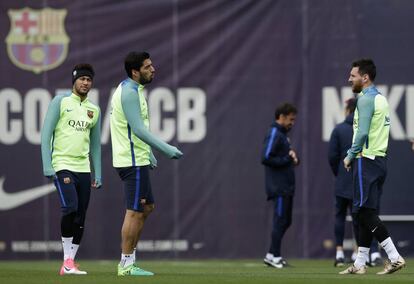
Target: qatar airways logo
79	125
400	101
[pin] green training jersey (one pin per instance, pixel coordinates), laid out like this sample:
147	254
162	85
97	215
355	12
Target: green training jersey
371	125
127	149
69	128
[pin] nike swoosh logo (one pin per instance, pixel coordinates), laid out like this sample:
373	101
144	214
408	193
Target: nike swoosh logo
12	200
69	110
67	268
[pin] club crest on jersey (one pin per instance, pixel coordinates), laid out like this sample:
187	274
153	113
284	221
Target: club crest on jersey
37	40
90	114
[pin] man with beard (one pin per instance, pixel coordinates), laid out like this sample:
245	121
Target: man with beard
71	132
367	158
132	155
279	160
339	144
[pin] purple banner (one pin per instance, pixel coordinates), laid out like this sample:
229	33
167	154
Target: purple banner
222	67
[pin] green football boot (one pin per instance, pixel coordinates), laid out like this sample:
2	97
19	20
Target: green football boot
133	270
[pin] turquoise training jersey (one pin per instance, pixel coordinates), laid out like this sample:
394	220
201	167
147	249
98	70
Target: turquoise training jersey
371	125
71	131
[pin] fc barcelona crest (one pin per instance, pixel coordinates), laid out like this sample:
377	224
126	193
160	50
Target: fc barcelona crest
37	40
90	114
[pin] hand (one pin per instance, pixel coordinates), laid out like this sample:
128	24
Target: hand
175	153
49	173
153	161
347	164
52	178
97	183
294	157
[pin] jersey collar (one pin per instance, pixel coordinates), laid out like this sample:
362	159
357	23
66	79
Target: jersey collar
280	127
135	83
78	99
368	89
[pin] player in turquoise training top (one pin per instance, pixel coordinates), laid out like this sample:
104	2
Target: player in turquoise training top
368	158
70	135
132	144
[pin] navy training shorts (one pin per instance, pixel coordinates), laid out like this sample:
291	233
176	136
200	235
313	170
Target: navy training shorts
368	178
74	193
137	187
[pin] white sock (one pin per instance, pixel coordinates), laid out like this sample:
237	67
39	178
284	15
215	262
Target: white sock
73	251
390	249
134	254
340	254
269	256
66	244
277	258
367	258
362	256
375	255
126	260
354	255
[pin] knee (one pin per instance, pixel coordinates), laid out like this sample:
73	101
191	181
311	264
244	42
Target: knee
368	218
132	214
357	218
71	205
148	208
283	224
340	216
288	223
70	209
80	220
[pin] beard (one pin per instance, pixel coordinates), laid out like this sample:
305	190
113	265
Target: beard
144	81
357	88
81	92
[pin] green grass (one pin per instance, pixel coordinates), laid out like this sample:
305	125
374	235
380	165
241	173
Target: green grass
197	272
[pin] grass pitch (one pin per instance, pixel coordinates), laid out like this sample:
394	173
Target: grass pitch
197	272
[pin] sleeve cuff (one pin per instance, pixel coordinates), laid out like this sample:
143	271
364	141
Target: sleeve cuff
351	156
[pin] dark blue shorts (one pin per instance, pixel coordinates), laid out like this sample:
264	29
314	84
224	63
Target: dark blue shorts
74	192
137	187
368	178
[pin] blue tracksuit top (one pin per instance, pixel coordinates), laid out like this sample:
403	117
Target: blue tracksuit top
340	142
279	166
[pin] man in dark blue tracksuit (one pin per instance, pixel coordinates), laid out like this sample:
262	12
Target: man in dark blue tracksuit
279	160
340	142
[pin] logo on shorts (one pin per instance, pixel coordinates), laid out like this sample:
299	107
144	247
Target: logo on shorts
90	114
66	180
37	40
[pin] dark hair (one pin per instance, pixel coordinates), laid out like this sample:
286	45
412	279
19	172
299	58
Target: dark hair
134	60
83	69
351	105
366	66
285	109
